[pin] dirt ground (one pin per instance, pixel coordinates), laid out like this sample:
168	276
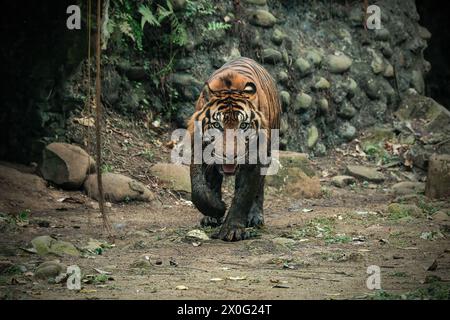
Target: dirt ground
317	248
309	249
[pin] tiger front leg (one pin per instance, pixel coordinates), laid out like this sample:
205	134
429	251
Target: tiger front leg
247	187
206	184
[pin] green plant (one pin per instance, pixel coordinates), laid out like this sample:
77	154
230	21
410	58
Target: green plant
106	168
147	154
198	8
177	35
214	26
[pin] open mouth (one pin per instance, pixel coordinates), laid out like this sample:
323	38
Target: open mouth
229	168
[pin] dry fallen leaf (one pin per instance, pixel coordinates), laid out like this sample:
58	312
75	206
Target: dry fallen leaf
237	278
181	287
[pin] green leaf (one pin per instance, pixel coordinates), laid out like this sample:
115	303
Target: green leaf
148	17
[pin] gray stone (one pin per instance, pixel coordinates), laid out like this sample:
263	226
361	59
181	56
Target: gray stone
365	173
347	132
338	64
347	111
262	18
382	34
270	55
118	188
342	181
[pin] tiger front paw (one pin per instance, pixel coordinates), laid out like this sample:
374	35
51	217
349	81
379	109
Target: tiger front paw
232	232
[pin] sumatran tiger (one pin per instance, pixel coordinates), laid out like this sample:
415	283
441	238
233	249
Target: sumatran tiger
241	95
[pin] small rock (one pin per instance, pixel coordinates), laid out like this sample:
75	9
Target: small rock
47	245
322	84
118	188
262	18
347	111
283	241
424	33
338	64
377	65
382	34
285	98
302	102
400	210
346	131
388	71
314	57
49	269
278	37
283	77
313	136
408	187
197	234
342	181
271	56
365	173
351	87
442	216
323	105
303	66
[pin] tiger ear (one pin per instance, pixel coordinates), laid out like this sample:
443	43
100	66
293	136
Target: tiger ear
206	92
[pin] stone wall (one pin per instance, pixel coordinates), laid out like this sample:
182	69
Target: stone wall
334	77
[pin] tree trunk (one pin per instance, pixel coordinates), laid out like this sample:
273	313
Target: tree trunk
438	180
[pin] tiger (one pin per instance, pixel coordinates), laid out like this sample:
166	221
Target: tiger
240	95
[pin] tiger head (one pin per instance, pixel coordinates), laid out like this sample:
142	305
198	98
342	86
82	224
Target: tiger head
229	105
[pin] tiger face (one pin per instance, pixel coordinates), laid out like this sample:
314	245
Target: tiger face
230	112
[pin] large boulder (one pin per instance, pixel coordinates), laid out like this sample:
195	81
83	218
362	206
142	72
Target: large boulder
433	117
19	190
173	176
117	188
66	165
